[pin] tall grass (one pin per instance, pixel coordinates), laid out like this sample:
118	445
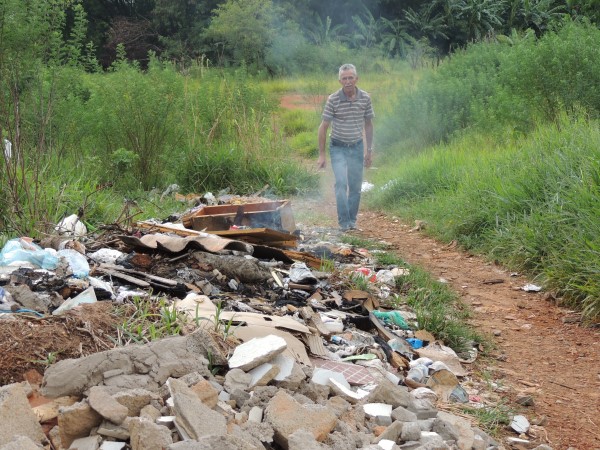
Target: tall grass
531	203
492	86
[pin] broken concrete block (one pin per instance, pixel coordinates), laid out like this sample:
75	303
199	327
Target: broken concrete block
255	414
107	406
16	416
113	445
294	380
304	440
286	416
111	430
86	443
76	421
20	443
146	435
466	435
213	443
411	431
377	409
263	374
402	414
135	400
391	432
192	415
256	351
151	364
338	405
206	393
285	364
387	392
347	394
237	379
150	412
261	432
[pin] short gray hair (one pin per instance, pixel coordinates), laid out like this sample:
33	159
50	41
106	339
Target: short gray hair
345	67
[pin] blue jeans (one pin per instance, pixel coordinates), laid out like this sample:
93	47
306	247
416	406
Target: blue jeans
347	164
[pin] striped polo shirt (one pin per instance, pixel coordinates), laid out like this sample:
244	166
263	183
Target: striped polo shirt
348	117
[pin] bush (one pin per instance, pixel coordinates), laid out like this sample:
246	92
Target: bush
492	86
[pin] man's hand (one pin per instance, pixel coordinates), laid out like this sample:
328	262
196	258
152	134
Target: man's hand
322	162
368	159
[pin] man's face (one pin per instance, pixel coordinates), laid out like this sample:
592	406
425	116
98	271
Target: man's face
348	81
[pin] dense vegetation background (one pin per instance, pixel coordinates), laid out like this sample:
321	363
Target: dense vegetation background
487	120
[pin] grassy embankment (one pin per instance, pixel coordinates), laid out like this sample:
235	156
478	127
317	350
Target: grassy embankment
499	149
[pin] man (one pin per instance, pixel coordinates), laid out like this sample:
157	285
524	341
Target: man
349	111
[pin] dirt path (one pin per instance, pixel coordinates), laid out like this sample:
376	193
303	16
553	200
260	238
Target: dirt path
540	351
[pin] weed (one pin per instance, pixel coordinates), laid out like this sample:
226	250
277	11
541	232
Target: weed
359	282
150	321
327	265
51	358
224	329
492	418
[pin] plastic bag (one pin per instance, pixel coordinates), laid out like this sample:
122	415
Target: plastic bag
20	251
77	262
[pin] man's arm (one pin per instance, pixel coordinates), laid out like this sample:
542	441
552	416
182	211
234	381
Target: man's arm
369	138
322	162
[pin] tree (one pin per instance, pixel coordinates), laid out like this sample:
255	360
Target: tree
242	30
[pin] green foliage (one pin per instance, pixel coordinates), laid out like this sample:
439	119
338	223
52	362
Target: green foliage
149	321
492	86
243	29
530	203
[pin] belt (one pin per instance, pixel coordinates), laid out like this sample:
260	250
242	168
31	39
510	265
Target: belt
336	143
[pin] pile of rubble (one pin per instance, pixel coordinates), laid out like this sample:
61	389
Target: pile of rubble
275	353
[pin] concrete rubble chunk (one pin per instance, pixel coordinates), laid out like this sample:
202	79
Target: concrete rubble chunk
387	392
16	416
403	415
76	421
347	394
111	430
86	443
466	435
146	435
20	443
391	433
255	414
237	379
263	374
304	440
113	445
286	416
411	431
377	409
256	351
107	406
206	393
285	364
147	366
135	400
192	415
262	432
294	381
214	443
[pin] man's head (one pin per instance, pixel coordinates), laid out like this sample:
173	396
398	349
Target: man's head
348	78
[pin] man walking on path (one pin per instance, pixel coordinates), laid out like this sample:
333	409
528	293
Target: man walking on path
350	113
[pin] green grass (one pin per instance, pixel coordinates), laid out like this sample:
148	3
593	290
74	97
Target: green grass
531	202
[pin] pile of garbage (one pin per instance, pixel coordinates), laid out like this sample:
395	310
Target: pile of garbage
277	352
